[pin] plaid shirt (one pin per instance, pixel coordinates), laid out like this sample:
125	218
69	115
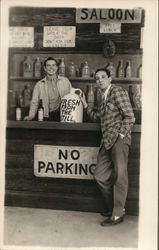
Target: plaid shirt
115	115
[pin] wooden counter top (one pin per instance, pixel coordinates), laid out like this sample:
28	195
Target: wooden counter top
60	126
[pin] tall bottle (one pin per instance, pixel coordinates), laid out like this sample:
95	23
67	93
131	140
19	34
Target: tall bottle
27	95
111	68
85	70
72	70
37	68
90	96
139	71
120	70
40	111
128	70
18	111
27	67
62	67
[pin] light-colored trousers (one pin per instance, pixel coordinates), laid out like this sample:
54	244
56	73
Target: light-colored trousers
112	177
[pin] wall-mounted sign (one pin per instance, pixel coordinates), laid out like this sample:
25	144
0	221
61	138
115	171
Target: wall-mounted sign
65	161
110	27
59	36
108	15
21	37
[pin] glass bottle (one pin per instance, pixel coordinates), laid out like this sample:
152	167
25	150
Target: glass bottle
37	67
27	67
62	67
72	70
85	70
97	97
120	69
40	111
90	96
27	95
18	111
139	71
128	70
111	68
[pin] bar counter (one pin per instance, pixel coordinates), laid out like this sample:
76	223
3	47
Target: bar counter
25	189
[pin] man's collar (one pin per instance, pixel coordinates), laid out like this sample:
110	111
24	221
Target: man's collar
45	78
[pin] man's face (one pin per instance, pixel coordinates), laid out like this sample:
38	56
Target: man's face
102	80
51	67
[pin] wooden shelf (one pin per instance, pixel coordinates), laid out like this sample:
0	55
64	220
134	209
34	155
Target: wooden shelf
78	79
60	125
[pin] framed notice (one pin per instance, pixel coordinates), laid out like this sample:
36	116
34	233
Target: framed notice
21	37
59	36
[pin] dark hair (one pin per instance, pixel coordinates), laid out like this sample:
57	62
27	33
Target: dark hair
107	71
50	58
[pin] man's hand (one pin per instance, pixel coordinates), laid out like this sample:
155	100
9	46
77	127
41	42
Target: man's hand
83	100
27	118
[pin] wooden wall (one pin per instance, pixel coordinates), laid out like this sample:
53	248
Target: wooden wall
88	38
24	189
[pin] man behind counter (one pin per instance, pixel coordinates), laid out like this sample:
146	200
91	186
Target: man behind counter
50	89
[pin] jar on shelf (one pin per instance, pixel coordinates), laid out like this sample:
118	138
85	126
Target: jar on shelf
62	67
37	68
139	71
27	67
90	95
85	70
72	70
111	68
120	70
128	70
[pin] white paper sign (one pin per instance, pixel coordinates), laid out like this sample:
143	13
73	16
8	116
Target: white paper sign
59	36
110	27
21	37
65	161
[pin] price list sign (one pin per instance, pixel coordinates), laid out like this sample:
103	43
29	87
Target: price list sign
21	37
59	36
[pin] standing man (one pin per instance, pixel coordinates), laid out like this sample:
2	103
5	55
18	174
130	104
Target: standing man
50	89
116	119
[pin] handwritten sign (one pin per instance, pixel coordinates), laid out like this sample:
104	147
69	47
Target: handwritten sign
65	161
108	15
21	37
59	36
110	27
71	109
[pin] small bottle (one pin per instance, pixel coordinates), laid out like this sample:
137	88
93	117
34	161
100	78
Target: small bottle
139	71
37	68
128	70
120	69
18	111
85	70
27	67
90	96
27	95
72	70
111	68
62	67
40	111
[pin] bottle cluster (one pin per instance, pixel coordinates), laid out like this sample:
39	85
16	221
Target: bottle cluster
73	70
32	68
23	99
123	71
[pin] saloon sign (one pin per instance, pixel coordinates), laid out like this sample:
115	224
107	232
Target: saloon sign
65	161
108	15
